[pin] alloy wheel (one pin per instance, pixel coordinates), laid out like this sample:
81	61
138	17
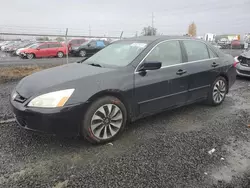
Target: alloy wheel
30	56
106	121
219	91
60	54
82	53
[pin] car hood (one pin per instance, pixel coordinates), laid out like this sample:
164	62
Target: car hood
246	54
28	50
19	49
54	78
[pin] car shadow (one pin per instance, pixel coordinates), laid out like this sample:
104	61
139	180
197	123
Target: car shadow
129	137
241	78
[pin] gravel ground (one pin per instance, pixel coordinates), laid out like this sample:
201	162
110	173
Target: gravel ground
5	90
170	149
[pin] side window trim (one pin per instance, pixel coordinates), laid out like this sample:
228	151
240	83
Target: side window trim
209	55
183	51
212	51
184	61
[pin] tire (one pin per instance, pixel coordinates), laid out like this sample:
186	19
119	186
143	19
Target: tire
60	54
93	127
217	91
30	56
82	53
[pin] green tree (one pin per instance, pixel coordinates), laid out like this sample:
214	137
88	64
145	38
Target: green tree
149	31
59	39
42	38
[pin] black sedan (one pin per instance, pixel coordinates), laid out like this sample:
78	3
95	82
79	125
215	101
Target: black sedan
89	48
126	81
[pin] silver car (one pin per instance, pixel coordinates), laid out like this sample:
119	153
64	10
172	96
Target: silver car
242	64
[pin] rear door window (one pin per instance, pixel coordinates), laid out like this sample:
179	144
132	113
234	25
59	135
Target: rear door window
92	44
196	50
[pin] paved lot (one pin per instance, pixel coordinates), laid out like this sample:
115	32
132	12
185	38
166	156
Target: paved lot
167	150
7	60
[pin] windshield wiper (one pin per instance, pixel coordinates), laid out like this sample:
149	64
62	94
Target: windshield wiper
81	61
94	64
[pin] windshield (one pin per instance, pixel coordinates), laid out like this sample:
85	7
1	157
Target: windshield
85	43
118	54
34	46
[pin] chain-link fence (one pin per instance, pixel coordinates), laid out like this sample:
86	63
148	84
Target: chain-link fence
34	48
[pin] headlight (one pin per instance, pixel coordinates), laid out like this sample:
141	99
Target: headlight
75	48
14	94
52	100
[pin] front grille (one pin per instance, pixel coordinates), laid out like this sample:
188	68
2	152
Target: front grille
20	98
244	72
245	62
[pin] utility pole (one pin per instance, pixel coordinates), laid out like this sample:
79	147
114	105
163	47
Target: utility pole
89	30
66	43
152	20
121	35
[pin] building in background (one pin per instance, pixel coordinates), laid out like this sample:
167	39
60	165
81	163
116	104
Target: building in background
209	37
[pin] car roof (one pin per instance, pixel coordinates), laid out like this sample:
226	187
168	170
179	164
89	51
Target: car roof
51	42
150	39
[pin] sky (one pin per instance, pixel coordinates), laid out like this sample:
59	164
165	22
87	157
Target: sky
111	17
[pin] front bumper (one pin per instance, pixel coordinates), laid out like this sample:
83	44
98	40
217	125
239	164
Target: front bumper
243	70
22	54
74	52
65	121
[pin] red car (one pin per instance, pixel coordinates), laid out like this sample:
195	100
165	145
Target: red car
74	43
236	44
46	49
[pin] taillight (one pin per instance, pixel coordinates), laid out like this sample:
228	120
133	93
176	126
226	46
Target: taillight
235	63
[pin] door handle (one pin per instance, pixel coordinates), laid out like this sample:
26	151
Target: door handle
215	64
181	72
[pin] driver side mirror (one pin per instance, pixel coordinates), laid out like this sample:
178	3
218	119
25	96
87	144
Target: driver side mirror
150	65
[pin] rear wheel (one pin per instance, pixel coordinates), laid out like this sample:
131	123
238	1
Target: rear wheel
30	56
218	91
104	120
60	54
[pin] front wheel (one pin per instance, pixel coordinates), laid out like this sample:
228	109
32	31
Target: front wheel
104	120
30	56
217	91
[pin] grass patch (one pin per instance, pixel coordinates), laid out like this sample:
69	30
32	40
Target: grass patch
16	73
